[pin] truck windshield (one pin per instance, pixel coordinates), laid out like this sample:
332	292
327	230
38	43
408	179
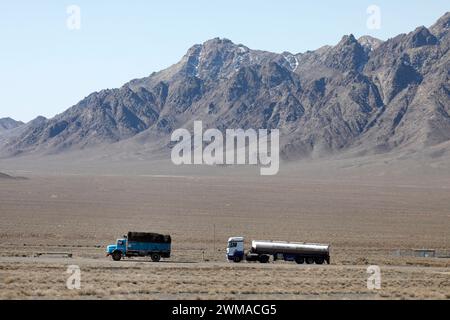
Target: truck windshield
232	244
120	242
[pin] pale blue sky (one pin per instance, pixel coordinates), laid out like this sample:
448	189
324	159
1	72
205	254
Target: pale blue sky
46	68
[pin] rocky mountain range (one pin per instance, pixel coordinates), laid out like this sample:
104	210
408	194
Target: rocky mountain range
362	95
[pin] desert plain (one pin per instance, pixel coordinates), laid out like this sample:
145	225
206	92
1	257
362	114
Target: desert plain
374	216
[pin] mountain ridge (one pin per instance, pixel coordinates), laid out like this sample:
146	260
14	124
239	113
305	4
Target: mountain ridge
362	95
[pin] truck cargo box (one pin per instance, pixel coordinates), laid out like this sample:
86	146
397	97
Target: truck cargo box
148	237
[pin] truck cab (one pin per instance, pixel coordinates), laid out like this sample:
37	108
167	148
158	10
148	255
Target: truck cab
116	251
235	249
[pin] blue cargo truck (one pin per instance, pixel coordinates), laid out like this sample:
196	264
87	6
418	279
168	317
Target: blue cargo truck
141	244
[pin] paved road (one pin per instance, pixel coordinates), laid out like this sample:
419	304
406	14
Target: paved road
108	263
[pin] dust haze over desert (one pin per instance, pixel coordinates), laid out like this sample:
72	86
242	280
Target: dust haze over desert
364	166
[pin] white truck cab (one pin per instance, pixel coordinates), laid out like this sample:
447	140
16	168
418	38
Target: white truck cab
235	249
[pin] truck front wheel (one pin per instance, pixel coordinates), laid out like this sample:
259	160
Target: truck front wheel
117	255
237	259
156	257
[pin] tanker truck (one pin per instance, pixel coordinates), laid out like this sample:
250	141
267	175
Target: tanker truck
261	251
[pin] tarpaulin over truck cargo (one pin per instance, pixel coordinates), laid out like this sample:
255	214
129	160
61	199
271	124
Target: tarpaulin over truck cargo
148	237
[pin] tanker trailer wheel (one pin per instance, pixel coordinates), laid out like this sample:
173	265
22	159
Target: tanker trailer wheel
155	257
117	255
264	259
319	260
300	260
309	260
237	259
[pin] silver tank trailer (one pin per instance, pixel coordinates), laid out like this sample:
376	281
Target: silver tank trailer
274	247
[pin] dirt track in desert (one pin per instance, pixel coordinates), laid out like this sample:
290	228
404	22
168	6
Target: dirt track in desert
367	222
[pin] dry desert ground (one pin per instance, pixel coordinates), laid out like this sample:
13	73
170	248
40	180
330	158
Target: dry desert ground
368	220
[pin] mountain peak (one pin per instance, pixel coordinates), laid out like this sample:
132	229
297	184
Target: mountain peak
370	43
347	40
213	57
218	41
211	43
9	123
421	37
38	120
6	119
442	26
348	54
